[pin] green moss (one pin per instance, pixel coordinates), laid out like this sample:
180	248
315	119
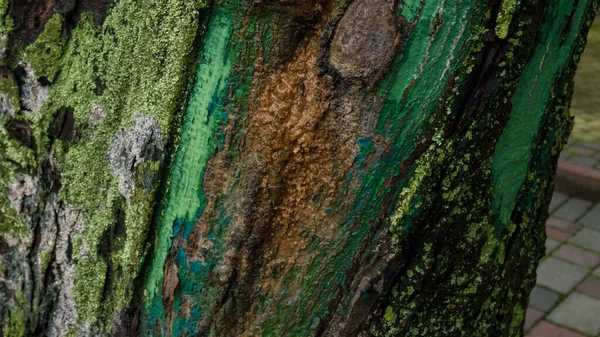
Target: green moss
6	27
14	326
46	258
15	160
11	90
136	64
13	157
390	315
45	53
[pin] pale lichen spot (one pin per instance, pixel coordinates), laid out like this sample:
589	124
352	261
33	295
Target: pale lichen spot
22	192
3	46
33	93
97	115
132	147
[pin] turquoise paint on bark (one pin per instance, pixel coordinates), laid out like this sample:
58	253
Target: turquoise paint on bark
185	200
513	150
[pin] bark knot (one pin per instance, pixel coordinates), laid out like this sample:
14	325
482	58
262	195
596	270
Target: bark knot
365	40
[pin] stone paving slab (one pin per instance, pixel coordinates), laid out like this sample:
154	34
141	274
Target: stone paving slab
557	200
597	272
531	317
559	275
562	225
590	287
572	209
592	218
578	312
584	161
555	234
581	150
587	238
546	329
551	245
589	145
542	298
578	256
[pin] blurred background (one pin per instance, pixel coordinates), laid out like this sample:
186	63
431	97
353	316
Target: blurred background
566	299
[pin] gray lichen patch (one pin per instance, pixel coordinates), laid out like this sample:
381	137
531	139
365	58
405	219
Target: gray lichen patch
365	40
130	148
96	115
33	93
69	221
22	193
6	106
3	46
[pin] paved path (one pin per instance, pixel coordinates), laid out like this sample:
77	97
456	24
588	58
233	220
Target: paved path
566	299
581	152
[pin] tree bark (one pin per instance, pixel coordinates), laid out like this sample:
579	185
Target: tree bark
279	168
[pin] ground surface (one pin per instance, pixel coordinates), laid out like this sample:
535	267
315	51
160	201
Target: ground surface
566	300
586	100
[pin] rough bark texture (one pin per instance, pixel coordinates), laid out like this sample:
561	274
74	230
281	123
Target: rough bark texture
279	168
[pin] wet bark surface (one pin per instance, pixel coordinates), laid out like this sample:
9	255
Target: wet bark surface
297	168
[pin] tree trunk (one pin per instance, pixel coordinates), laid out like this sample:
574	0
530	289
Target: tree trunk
279	168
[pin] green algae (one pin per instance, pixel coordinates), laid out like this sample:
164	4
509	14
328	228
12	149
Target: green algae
505	17
14	326
6	27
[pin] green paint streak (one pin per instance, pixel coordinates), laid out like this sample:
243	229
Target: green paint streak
409	9
413	114
185	199
530	101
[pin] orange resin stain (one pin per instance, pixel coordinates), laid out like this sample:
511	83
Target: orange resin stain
298	165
